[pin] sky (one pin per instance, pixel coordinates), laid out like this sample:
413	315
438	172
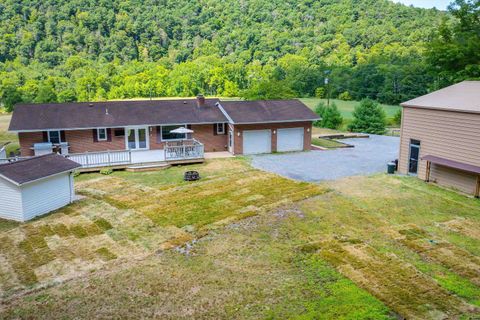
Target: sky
439	4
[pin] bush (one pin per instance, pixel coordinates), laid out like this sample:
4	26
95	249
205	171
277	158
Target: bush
320	92
106	171
368	117
331	117
345	96
397	118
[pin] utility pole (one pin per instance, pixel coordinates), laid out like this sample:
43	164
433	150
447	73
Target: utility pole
327	85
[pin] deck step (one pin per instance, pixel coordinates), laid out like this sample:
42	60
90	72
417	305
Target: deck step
148	167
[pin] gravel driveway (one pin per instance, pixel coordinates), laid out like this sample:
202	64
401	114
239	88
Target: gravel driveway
369	156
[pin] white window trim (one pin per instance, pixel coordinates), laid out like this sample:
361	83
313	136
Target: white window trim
98	134
223	128
161	133
59	135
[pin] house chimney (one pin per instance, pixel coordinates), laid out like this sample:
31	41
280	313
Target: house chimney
200	100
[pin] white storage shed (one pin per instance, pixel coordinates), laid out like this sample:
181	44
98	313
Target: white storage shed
35	186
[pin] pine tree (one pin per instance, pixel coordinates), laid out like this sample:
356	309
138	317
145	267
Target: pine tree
369	117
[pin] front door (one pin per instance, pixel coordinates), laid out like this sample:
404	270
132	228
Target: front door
137	138
414	156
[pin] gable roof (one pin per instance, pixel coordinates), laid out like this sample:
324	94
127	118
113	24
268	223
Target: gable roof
461	97
32	169
87	115
263	111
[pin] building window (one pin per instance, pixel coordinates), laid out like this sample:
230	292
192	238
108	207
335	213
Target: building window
414	156
54	137
119	132
102	134
220	128
167	135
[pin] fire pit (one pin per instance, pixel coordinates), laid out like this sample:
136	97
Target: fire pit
191	176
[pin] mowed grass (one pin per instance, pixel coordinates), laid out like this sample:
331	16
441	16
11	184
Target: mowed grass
131	215
346	107
327	143
377	247
6	136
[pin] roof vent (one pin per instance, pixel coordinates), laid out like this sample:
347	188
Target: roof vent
90	105
184	102
106	111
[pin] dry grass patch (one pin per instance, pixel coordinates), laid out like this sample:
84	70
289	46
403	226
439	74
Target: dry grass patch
131	215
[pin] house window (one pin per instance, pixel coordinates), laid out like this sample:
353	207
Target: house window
167	135
102	134
220	128
54	137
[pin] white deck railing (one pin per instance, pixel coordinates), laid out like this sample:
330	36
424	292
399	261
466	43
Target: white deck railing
101	159
185	149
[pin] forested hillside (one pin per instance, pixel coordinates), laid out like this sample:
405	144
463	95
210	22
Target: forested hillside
52	50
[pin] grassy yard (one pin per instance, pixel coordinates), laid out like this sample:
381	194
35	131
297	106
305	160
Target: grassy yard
327	143
346	107
246	244
6	136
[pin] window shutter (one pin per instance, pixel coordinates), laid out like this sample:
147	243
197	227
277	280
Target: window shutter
189	126
225	128
109	134
214	129
159	134
62	136
95	136
45	136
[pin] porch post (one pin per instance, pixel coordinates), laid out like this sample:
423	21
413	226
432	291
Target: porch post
477	188
427	178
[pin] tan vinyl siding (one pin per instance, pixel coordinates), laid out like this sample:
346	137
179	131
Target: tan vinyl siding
446	134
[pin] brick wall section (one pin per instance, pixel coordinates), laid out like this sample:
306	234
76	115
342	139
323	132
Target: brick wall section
204	134
81	141
238	140
27	140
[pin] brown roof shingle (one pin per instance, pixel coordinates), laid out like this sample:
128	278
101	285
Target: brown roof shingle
35	168
84	115
268	111
461	97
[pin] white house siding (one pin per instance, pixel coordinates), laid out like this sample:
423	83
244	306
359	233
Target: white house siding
10	201
46	195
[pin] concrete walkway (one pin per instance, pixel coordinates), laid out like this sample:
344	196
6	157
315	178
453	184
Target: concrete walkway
369	156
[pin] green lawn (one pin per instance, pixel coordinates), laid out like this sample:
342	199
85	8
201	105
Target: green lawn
346	107
327	143
262	246
6	136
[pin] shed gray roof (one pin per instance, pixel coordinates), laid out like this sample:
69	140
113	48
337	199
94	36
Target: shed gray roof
24	171
263	111
85	115
461	97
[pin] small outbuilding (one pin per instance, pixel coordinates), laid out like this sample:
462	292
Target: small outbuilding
35	186
440	137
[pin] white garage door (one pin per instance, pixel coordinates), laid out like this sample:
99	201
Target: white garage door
257	141
290	139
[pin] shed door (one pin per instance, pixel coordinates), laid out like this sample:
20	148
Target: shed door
257	141
290	139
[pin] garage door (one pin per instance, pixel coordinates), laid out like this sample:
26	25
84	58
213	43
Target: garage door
257	141
290	139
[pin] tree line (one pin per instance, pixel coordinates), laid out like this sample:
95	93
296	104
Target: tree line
81	50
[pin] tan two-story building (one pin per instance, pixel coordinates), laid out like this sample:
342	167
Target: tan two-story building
440	139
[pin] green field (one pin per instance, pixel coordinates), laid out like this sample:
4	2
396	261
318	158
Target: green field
346	107
6	136
143	245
